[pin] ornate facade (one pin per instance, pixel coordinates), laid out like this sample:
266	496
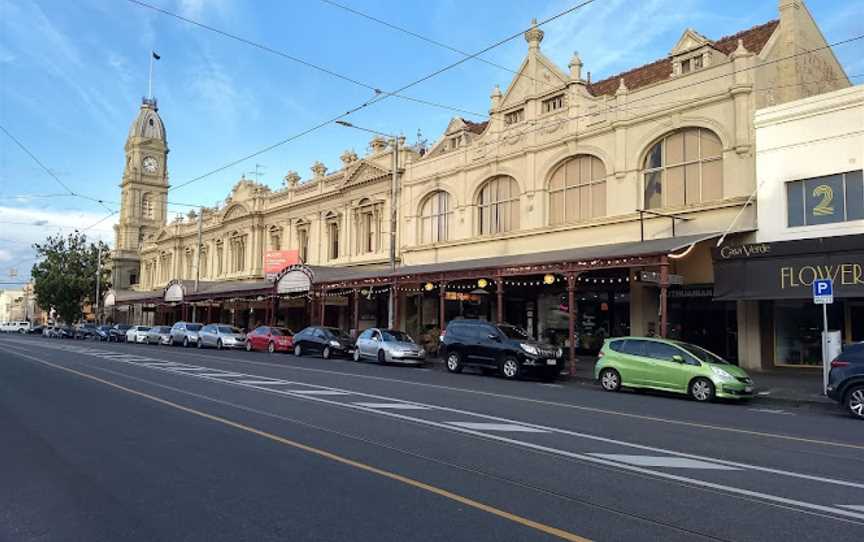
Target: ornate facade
562	162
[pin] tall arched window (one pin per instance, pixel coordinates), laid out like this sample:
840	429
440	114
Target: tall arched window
147	205
577	190
435	218
333	232
684	167
498	206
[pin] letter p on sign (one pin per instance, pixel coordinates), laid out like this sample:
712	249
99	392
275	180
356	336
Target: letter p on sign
823	292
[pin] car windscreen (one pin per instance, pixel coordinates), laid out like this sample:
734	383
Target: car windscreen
280	331
338	333
229	329
391	335
513	332
143	328
193	327
701	354
163	329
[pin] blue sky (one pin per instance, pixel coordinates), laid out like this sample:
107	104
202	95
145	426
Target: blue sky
72	75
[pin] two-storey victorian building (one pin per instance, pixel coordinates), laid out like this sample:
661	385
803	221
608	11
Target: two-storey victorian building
580	209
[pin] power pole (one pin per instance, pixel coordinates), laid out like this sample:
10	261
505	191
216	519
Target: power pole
394	205
98	273
198	261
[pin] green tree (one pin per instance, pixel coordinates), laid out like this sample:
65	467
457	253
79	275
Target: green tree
64	276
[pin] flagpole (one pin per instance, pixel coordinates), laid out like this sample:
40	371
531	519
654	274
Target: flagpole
150	79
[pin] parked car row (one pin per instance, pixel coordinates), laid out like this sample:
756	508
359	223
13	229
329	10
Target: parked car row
15	327
623	362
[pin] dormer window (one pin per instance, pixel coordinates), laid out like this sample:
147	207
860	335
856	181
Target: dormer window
553	104
685	66
514	117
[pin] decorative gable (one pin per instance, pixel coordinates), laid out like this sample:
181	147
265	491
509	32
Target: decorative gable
363	172
536	75
689	41
235	211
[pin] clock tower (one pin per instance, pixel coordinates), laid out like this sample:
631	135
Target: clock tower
144	193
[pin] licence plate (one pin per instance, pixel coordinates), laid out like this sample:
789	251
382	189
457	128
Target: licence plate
748	389
551	362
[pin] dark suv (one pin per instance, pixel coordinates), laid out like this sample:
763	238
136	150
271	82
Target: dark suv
502	347
846	379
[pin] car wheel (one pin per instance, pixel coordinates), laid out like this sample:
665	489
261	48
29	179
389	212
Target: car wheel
610	380
298	350
326	352
271	347
702	390
855	402
454	362
510	368
219	344
382	357
248	346
356	354
185	342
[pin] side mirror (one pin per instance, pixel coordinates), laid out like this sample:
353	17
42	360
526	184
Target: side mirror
677	358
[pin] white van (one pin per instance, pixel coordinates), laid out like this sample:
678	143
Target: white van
15	327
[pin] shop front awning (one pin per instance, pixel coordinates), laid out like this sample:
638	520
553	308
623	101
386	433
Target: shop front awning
619	255
787	269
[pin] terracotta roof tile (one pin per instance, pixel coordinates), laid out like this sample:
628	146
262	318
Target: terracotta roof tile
475	127
754	40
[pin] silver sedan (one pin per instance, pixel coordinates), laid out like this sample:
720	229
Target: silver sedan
221	336
159	335
388	346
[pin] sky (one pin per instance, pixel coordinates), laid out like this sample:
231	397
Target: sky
72	75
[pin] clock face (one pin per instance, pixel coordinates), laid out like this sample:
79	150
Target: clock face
150	164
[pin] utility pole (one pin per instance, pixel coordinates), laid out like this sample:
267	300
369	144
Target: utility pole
98	273
198	261
394	206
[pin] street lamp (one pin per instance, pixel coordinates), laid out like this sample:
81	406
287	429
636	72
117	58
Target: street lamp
394	198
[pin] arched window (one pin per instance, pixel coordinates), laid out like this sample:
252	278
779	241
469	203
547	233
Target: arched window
684	167
275	238
435	218
303	241
577	190
147	205
220	257
498	206
367	223
188	260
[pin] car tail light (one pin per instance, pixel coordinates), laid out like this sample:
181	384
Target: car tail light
839	363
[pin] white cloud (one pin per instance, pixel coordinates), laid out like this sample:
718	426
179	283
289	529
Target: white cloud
5	255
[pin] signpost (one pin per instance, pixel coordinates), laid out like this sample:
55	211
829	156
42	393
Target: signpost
823	294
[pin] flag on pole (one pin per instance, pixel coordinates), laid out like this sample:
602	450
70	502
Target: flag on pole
157	57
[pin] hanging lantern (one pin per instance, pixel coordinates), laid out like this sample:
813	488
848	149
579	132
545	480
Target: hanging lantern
428	286
548	278
482	283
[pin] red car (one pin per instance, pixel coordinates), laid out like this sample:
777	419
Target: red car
271	339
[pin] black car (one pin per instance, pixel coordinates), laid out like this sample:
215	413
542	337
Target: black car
846	379
328	341
85	331
66	332
36	330
117	333
503	348
102	333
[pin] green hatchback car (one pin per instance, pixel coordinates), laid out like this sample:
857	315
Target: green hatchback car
661	364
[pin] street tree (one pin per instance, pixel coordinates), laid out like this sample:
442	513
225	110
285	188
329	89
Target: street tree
64	277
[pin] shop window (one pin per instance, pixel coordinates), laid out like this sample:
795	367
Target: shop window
577	190
824	200
514	117
498	206
683	168
553	104
435	218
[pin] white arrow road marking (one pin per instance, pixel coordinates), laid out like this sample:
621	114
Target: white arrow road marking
497	427
394	406
664	461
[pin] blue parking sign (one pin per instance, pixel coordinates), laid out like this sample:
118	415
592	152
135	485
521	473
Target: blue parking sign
823	291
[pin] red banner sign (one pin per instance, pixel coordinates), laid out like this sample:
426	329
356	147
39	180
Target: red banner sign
277	260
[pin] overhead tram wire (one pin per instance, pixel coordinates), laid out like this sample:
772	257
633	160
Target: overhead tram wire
428	39
47	170
378	97
299	60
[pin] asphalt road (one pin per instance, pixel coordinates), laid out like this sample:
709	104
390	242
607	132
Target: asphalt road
132	442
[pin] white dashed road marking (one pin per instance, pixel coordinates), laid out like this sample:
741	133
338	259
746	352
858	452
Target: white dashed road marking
856	507
317	392
664	461
264	382
394	406
497	427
